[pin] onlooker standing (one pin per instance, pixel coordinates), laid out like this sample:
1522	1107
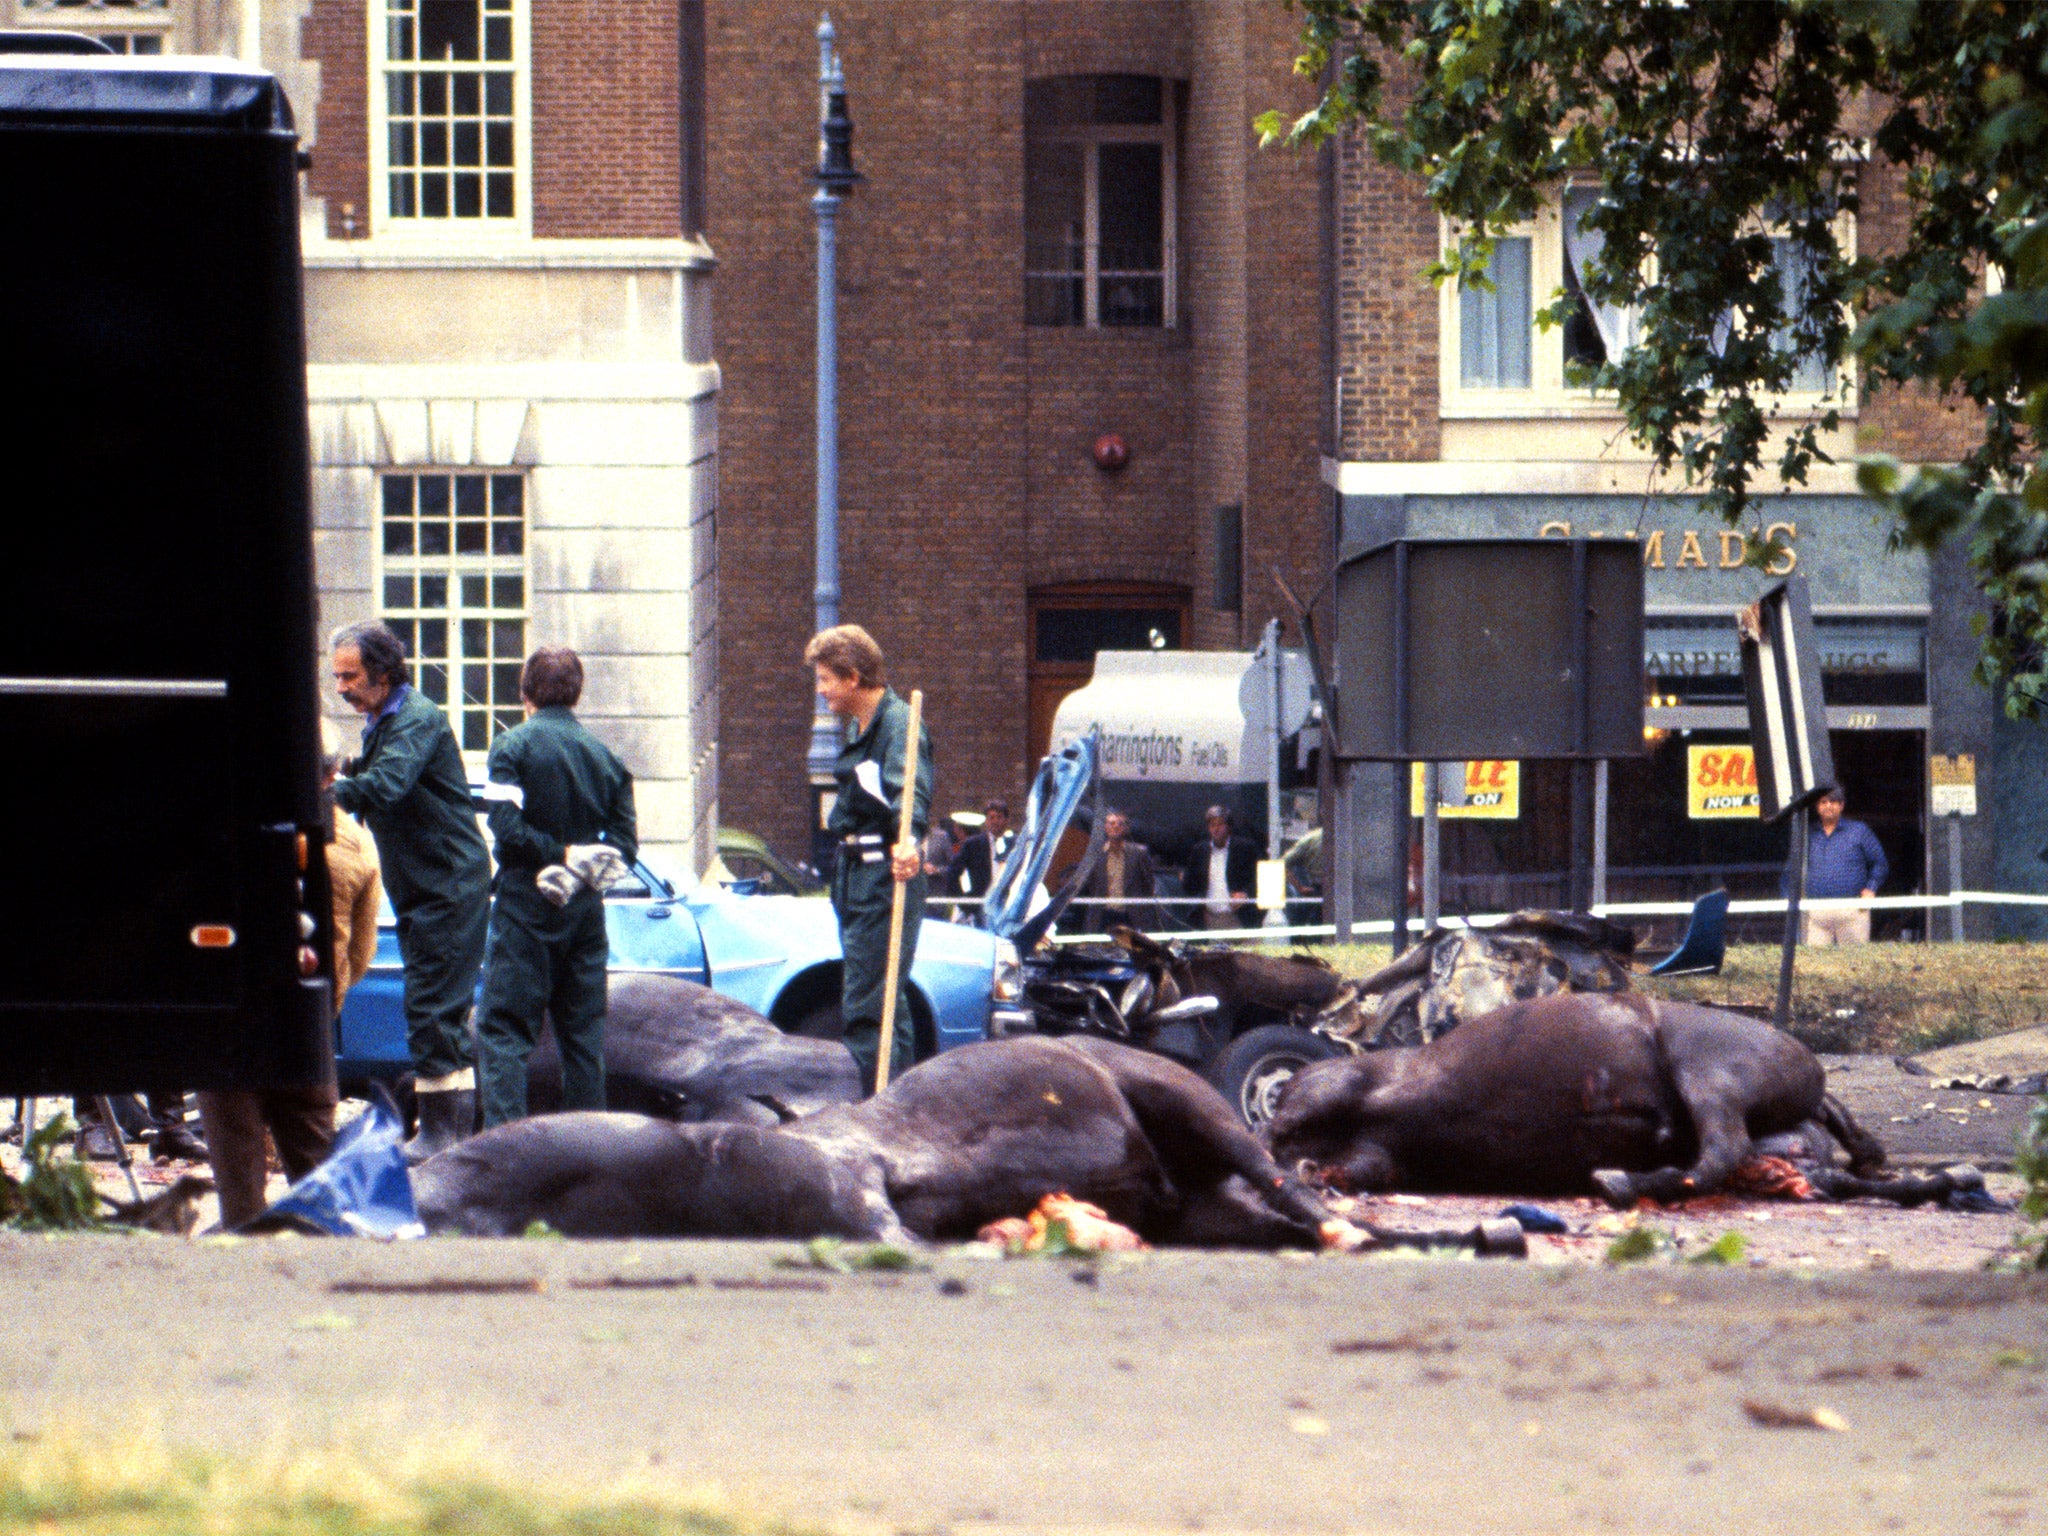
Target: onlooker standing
1843	858
558	797
409	785
299	1120
1123	878
866	818
974	867
1222	870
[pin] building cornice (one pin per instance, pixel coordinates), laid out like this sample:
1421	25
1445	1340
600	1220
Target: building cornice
391	254
332	383
1537	477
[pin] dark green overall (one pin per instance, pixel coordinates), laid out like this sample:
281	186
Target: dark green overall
409	785
552	784
866	823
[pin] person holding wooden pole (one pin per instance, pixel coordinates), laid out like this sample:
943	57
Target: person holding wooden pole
878	889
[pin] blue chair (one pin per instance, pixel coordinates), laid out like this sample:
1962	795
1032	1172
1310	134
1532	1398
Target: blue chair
1706	940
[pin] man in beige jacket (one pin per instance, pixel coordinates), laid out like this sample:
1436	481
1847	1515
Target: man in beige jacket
299	1120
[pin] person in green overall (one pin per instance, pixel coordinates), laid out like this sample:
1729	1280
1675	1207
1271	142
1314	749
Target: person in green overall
559	800
865	820
409	786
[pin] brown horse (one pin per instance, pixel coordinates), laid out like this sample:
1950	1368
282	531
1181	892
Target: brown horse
1574	1092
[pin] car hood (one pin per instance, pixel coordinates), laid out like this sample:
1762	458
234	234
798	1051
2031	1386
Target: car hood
1064	779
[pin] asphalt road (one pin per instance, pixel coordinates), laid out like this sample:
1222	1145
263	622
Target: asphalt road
1176	1391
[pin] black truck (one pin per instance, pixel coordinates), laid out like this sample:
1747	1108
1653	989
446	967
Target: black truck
167	920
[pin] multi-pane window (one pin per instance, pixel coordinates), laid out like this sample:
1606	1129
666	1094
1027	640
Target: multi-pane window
448	109
1493	346
1099	201
90	16
1494	322
454	575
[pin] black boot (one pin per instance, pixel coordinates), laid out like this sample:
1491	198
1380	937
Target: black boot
446	1117
174	1139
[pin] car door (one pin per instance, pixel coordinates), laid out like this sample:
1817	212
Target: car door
650	930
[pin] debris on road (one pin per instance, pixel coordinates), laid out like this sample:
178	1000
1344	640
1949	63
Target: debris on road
1400	1343
1061	1226
1778	1416
1534	1218
439	1287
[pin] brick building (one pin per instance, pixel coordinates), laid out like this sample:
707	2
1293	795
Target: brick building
508	320
1451	417
1066	231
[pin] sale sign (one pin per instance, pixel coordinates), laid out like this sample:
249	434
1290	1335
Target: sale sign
1491	791
1720	782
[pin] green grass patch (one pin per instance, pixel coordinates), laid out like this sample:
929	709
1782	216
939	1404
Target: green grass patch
1885	999
67	1484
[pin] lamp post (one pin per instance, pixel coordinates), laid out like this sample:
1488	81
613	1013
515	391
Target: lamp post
836	178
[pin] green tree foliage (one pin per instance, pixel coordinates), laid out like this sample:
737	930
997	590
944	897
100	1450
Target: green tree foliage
1711	127
55	1194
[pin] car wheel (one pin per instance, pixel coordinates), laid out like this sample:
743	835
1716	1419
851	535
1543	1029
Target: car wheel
1252	1070
824	1022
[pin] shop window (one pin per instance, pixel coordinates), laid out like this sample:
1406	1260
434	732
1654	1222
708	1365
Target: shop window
447	103
454	587
1099	201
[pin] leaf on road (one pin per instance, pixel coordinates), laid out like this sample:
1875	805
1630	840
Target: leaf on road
323	1322
1637	1244
1728	1248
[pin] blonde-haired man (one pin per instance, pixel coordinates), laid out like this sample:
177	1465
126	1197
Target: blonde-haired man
848	666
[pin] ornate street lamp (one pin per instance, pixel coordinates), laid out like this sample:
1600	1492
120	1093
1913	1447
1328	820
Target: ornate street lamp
836	179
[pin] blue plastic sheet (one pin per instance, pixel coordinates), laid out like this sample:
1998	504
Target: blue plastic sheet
362	1190
1534	1218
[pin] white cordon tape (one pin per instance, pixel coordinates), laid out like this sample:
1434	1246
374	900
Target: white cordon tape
1617	909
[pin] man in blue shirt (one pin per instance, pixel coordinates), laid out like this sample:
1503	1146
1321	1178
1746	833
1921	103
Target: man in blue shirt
1843	858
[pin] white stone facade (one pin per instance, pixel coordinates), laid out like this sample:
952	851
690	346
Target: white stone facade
585	366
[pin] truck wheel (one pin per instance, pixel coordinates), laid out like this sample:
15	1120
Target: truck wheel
1253	1068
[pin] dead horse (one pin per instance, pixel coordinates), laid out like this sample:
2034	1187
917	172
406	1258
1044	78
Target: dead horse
1573	1093
967	1138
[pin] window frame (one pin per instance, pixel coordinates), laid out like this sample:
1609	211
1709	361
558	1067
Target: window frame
1548	395
1091	136
438	233
158	19
456	566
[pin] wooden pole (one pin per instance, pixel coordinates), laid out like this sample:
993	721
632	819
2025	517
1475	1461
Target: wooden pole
894	972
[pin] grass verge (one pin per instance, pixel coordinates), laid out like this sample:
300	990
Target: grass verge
1874	998
68	1484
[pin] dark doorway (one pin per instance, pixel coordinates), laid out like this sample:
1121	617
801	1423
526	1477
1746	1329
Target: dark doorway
1070	623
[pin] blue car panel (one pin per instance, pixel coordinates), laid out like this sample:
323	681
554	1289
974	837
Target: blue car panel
777	954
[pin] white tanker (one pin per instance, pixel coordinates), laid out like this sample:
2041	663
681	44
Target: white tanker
1184	730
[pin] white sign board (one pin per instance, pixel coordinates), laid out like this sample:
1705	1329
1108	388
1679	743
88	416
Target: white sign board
1953	782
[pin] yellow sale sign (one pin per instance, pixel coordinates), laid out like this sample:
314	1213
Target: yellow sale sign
1493	792
1720	782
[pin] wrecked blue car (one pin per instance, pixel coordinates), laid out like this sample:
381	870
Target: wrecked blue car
779	955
